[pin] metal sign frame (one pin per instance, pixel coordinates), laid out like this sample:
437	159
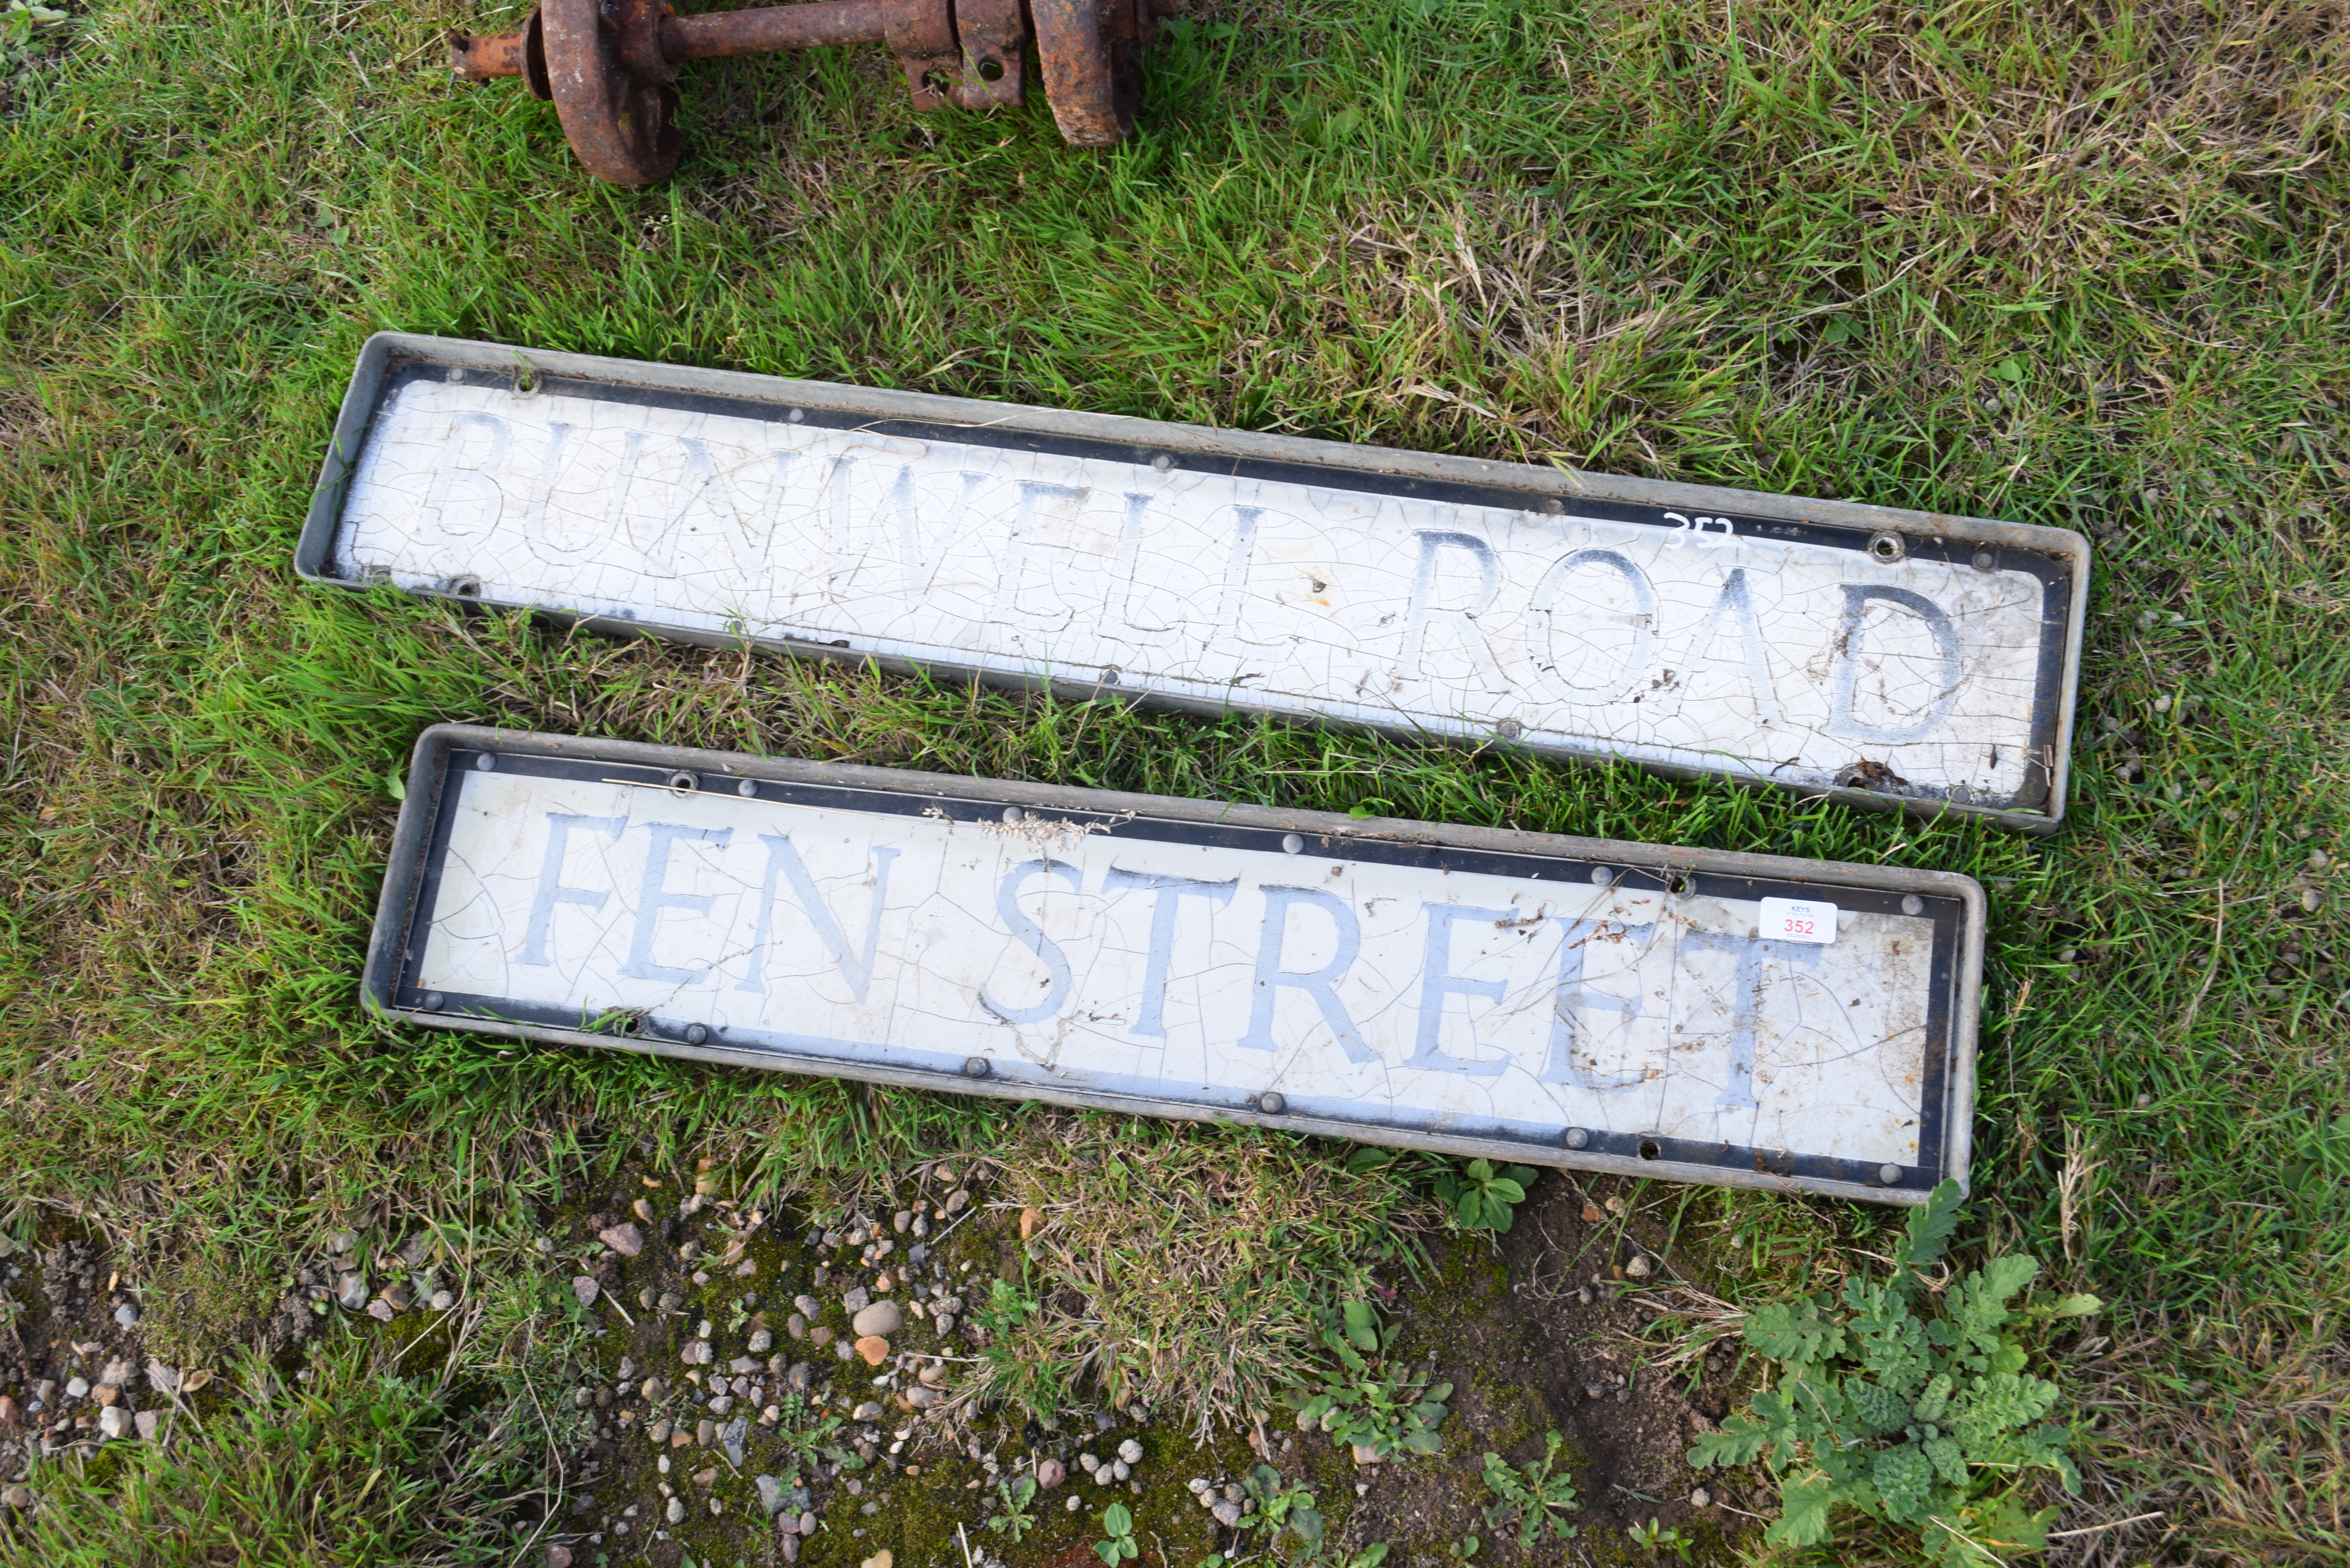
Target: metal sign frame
2057	558
446	756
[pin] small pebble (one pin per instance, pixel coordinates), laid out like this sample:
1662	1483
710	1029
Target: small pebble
808	1306
114	1421
874	1349
675	1513
1130	1451
881	1320
76	1386
1051	1474
558	1557
126	1314
761	1341
1639	1268
586	1290
1700	1498
443	1300
624	1239
1227	1512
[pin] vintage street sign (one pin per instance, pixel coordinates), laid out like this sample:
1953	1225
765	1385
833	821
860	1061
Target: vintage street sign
1887	658
1563	1001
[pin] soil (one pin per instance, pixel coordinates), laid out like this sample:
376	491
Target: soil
1504	1318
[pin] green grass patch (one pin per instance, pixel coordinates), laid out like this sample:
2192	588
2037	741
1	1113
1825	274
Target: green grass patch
2028	260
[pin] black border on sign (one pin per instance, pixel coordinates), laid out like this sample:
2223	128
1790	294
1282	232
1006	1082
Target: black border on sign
1947	912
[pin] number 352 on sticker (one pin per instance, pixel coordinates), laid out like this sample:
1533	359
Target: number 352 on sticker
1797	921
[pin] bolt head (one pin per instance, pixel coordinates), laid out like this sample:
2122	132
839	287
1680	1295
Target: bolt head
1293	844
747	789
1272	1103
434	1002
1889	1174
695	1033
485	763
1912	905
1579	1137
976	1067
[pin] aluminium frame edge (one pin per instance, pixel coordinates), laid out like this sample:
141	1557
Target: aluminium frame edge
428	774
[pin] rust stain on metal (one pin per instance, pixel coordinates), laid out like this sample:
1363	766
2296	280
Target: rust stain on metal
609	69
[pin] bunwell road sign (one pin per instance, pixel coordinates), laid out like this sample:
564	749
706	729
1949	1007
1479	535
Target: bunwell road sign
1564	1001
1881	657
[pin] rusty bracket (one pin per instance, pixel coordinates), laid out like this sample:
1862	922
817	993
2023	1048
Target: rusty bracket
608	66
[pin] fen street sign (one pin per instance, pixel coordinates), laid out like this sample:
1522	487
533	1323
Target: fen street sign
1746	1020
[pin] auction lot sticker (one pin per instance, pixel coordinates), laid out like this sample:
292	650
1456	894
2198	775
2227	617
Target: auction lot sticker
1567	1001
1883	657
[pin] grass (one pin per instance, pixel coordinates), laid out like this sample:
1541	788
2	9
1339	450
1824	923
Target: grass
2058	263
361	1465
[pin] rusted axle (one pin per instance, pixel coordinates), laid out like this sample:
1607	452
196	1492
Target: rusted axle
609	69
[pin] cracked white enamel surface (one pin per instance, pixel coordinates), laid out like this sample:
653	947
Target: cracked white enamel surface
1111	962
1675	646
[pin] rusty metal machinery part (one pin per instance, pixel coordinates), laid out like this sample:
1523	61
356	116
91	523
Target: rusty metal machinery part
487	56
622	127
609	66
1091	53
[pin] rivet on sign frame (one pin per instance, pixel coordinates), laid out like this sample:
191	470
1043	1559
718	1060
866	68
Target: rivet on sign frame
1293	844
1162	463
1509	729
1985	561
485	763
1601	877
795	416
1889	1174
434	1002
1011	814
1912	905
1109	674
1554	506
695	1033
1271	1103
746	789
1579	1137
976	1067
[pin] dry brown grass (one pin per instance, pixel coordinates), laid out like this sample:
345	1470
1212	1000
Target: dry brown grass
1180	1268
